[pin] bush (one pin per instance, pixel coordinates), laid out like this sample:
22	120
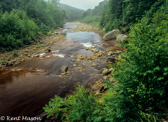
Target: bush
77	107
16	29
19	27
143	71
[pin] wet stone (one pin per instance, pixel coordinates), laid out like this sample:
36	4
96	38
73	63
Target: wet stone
64	68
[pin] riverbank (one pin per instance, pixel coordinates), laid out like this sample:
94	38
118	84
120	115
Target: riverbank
43	45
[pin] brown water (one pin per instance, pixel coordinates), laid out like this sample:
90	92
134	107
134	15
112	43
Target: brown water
25	89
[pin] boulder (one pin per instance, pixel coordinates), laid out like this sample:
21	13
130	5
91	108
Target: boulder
111	35
106	72
121	37
110	53
112	69
97	87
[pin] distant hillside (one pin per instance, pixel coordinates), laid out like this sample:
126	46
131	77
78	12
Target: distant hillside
94	15
72	13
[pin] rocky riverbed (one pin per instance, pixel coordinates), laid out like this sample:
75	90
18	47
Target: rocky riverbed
54	66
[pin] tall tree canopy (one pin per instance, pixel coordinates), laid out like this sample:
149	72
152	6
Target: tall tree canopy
126	12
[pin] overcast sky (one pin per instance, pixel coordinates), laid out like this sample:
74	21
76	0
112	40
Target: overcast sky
82	4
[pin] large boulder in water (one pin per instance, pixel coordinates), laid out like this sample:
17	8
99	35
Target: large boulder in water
112	34
121	37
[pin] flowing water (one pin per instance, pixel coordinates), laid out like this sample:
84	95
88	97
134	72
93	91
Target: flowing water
25	89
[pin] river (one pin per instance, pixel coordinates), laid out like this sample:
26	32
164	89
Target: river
26	88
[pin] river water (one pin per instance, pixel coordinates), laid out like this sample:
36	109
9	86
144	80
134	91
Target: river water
25	89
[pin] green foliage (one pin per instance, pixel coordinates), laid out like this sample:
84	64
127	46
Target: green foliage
15	54
121	13
22	20
77	107
8	5
44	14
40	45
143	71
4	62
94	20
15	30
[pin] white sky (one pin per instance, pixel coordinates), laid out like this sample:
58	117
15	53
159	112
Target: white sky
81	4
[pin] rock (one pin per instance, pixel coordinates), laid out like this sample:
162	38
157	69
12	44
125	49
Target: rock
74	65
64	68
106	72
73	60
110	53
97	87
78	60
118	52
104	88
55	33
111	35
89	58
121	37
105	77
36	55
26	54
81	57
111	69
48	49
94	64
99	54
27	50
95	50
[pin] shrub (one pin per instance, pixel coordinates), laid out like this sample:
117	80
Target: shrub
16	29
15	54
143	71
77	107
